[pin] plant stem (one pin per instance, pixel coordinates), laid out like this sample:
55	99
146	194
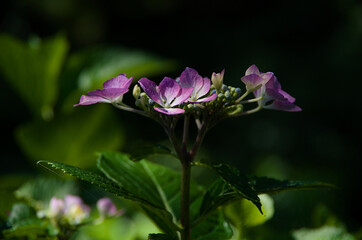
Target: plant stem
185	200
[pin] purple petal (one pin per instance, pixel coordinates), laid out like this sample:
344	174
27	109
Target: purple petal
252	81
121	81
204	89
273	94
56	206
188	76
169	89
283	106
206	99
111	94
150	89
252	70
71	200
182	96
106	207
267	76
287	96
273	83
170	111
88	100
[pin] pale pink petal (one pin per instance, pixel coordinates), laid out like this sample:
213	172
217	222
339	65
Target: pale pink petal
150	89
252	70
88	100
206	83
182	96
169	89
252	81
206	99
170	111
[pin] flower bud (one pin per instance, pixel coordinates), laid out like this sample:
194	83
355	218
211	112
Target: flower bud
224	88
136	91
217	80
142	102
227	95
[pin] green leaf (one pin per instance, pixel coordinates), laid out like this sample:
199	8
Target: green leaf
214	227
324	232
21	212
270	185
145	152
154	183
74	138
243	214
32	69
238	182
24	223
158	236
39	191
221	193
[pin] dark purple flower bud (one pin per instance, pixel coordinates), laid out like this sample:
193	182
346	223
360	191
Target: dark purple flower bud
168	94
112	92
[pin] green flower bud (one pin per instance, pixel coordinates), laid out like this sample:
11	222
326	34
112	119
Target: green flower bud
136	92
227	95
224	88
217	80
142	102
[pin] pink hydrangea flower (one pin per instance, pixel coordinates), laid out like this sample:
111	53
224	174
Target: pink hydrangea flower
168	94
270	89
201	86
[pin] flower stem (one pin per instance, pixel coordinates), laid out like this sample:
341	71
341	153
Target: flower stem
242	97
185	200
252	100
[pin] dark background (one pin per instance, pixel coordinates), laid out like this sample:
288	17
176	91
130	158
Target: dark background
313	47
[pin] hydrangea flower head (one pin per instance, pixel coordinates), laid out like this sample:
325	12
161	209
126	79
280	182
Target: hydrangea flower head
168	94
201	86
75	210
112	91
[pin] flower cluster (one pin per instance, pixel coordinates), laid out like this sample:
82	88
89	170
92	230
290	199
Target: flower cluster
73	211
191	91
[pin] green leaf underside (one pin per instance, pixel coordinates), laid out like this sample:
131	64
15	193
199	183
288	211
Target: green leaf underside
142	153
238	182
270	185
220	193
